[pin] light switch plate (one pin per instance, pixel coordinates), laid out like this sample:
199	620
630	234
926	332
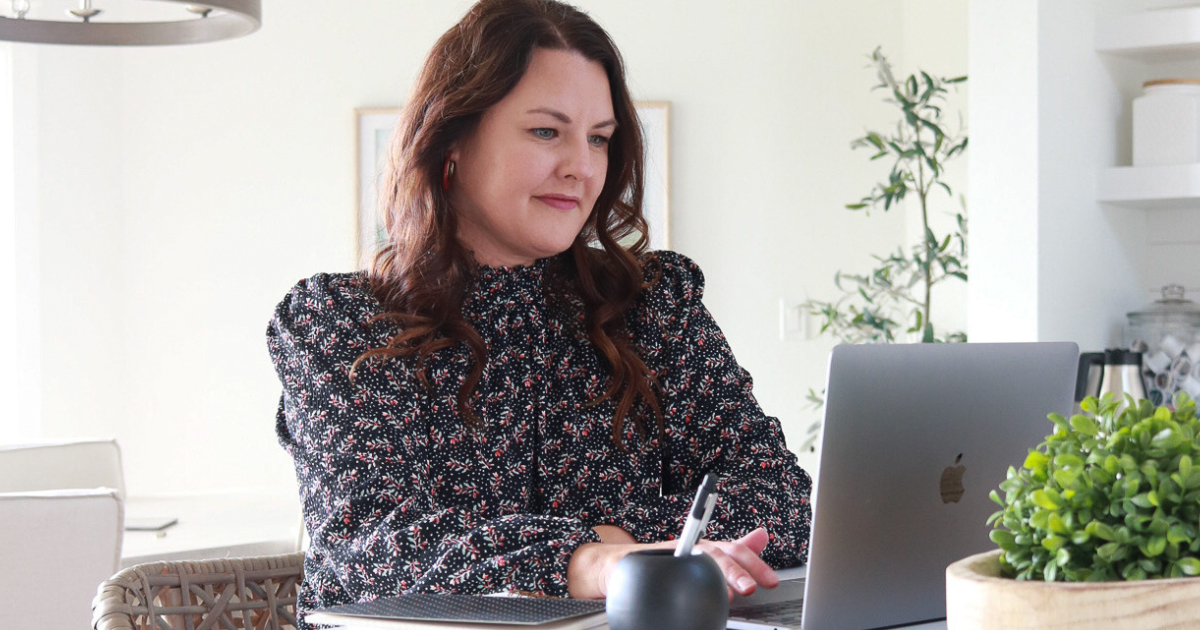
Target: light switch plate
793	320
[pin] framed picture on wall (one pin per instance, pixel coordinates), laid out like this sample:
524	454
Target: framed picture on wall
656	204
375	127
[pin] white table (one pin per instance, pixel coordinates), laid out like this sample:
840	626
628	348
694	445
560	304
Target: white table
382	625
224	525
228	525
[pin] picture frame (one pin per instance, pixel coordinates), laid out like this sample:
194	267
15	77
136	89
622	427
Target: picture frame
374	131
656	199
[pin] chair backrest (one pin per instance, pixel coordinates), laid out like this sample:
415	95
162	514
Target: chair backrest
240	593
57	546
62	465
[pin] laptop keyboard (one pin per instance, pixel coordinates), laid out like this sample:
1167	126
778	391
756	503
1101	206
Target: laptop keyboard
778	614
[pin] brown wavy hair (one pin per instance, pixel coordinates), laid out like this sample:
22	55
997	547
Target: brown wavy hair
424	273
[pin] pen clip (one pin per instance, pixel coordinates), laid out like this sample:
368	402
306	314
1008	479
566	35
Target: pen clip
708	510
702	508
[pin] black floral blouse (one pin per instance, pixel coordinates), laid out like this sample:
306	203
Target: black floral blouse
399	496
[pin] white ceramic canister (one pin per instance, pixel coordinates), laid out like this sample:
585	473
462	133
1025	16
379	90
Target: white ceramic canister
1166	123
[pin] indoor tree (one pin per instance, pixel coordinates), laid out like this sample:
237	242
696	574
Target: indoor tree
894	300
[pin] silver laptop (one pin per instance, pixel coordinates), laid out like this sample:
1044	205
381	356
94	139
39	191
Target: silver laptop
915	437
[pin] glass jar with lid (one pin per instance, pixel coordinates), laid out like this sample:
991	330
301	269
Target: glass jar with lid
1168	335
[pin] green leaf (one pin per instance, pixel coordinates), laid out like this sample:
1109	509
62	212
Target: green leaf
1101	530
1068	460
1189	566
1164	438
1085	425
1035	459
1048	500
1143	500
1067	478
1178	534
1005	540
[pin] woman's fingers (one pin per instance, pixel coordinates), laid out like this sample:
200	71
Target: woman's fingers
756	540
739	561
736	577
744	570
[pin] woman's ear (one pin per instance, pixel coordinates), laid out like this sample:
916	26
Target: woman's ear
454	150
449	167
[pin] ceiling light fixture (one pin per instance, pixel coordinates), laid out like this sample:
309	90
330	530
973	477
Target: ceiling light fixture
196	23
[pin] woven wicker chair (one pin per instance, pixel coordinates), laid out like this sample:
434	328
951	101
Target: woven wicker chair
230	594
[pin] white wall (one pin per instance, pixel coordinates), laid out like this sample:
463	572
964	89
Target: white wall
1078	106
935	40
20	420
182	191
1003	170
9	424
1049	113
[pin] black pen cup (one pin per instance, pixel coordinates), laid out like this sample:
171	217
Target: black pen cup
654	590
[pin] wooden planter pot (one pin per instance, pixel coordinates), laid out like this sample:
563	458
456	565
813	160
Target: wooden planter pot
977	598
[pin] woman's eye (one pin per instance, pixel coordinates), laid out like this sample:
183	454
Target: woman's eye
598	141
544	133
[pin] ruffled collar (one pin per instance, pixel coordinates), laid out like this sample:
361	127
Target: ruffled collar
504	283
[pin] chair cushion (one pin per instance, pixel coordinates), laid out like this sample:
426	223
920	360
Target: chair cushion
58	547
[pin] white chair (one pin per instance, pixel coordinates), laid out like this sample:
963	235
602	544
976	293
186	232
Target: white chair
61	522
62	465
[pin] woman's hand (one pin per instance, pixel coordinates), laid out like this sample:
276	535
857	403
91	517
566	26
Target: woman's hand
590	566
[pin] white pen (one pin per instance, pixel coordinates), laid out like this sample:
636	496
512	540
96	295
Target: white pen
702	508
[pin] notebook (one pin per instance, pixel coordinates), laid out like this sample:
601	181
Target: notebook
914	439
427	611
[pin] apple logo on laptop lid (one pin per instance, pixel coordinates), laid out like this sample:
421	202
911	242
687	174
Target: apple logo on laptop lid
952	481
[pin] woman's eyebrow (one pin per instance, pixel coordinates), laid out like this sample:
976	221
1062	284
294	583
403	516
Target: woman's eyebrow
566	120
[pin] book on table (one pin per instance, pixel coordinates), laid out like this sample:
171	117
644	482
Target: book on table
429	611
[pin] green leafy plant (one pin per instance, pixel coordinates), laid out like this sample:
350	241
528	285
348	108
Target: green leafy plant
874	306
1112	494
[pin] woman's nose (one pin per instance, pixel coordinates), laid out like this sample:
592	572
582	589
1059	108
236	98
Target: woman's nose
577	160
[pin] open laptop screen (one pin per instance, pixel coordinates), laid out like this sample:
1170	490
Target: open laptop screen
915	437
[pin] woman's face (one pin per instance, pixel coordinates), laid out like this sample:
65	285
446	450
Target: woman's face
527	177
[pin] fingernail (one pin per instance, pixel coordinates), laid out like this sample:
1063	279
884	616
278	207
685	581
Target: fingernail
745	584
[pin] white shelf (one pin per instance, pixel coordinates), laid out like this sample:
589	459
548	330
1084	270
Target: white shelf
1173	186
1151	36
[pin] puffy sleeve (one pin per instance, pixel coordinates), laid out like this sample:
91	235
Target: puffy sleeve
713	424
374	473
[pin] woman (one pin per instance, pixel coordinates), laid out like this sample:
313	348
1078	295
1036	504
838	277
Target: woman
509	399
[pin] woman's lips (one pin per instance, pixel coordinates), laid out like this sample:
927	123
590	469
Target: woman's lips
561	202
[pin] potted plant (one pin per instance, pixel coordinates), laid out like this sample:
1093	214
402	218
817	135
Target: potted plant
874	306
1099	528
893	301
